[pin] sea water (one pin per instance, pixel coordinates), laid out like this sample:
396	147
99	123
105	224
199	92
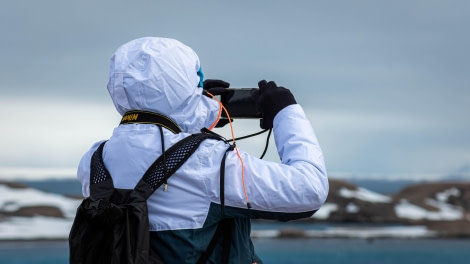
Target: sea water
287	251
361	251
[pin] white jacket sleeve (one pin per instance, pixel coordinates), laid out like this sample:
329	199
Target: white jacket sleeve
298	184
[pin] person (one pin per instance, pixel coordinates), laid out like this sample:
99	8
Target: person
164	76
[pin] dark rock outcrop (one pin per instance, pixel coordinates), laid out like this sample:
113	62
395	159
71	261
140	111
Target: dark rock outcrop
354	209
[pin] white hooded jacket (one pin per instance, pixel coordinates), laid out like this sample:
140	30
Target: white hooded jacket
161	75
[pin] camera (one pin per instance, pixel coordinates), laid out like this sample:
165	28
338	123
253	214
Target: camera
240	102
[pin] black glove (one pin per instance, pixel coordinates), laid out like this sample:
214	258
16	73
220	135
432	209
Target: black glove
271	100
217	87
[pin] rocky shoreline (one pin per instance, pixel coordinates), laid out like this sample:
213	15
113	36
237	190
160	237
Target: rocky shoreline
442	207
429	210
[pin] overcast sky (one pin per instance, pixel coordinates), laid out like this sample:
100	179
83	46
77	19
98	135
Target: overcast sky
386	84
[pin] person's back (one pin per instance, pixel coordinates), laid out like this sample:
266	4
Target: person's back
160	75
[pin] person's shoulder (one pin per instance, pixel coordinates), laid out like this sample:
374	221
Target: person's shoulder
95	146
87	156
213	144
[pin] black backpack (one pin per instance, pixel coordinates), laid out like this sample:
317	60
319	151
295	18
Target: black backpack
112	226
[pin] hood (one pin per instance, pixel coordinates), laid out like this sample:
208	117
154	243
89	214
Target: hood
161	75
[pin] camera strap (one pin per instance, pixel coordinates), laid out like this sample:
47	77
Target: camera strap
145	117
256	134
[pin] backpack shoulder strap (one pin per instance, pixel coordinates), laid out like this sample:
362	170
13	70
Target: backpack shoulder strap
167	164
101	183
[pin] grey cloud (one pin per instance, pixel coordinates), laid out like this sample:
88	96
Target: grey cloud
355	66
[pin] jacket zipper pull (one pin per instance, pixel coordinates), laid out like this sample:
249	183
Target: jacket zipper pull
165	187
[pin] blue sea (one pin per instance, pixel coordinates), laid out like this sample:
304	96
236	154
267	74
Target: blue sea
276	250
287	251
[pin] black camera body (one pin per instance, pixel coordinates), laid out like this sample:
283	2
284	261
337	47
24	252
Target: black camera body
240	103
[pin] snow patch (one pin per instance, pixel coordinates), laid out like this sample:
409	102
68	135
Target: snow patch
444	196
13	199
407	210
324	212
352	208
364	195
37	227
446	211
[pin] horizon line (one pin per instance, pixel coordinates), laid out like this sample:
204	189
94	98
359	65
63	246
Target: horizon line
42	173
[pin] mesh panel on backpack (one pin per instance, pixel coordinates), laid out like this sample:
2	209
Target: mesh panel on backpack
100	173
158	172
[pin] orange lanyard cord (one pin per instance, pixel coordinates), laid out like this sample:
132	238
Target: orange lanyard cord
234	144
219	114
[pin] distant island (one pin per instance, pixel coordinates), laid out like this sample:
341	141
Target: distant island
442	208
436	209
